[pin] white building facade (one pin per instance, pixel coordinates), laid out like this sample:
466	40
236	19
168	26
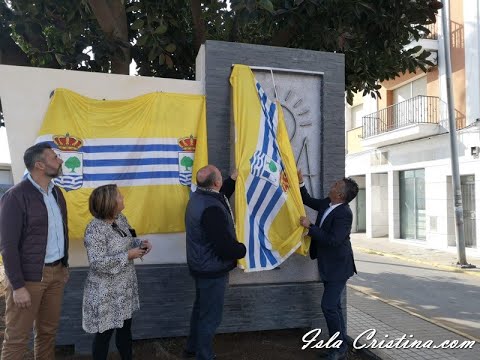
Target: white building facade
398	146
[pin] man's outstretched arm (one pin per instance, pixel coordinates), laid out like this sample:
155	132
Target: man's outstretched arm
228	186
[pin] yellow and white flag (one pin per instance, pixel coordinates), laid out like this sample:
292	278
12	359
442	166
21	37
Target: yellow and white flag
268	204
149	146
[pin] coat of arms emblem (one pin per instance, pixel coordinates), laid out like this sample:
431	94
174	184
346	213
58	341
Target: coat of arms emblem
265	167
67	150
185	159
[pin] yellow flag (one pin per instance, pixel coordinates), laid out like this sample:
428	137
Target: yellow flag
268	204
148	146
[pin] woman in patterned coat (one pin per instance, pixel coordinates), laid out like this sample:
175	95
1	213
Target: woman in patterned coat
111	291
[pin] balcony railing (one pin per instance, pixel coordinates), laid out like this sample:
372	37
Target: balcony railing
417	110
433	35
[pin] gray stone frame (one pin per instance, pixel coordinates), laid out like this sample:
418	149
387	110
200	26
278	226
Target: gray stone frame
219	57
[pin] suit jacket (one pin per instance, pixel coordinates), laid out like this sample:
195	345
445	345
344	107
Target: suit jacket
331	242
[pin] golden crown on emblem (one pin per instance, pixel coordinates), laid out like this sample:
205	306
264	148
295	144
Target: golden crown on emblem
67	142
188	143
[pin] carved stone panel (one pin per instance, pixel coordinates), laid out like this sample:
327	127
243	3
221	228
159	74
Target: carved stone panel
300	95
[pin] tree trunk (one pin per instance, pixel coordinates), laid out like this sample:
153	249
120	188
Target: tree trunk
233	36
198	23
112	18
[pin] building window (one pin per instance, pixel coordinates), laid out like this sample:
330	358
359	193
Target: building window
410	90
356	114
4	188
409	108
412	204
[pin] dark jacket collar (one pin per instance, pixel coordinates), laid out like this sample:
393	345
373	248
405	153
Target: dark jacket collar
208	192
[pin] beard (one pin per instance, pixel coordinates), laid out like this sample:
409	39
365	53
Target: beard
55	173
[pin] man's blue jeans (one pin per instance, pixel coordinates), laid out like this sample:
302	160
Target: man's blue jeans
206	315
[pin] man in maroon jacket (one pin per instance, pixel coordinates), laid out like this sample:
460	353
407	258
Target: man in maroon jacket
34	248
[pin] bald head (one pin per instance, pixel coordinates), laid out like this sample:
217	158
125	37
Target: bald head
209	177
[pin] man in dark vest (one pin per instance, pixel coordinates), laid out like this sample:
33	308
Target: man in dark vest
212	251
332	248
34	247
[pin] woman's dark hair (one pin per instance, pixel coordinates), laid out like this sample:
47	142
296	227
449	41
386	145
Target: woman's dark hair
103	201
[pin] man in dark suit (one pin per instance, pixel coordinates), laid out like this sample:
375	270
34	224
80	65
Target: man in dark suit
332	248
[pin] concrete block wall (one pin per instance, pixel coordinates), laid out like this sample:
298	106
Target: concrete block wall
166	298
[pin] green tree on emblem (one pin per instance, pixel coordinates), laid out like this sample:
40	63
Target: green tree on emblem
186	162
272	166
72	163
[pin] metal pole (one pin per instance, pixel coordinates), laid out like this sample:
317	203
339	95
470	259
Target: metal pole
457	191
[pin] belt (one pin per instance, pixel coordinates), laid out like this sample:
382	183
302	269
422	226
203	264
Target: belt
55	263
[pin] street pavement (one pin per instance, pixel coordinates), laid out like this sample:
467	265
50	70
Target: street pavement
417	253
403	289
449	298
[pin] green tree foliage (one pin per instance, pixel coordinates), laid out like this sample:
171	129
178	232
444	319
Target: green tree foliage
72	163
272	166
186	162
163	36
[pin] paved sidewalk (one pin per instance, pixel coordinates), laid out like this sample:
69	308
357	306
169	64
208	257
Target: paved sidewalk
366	312
442	259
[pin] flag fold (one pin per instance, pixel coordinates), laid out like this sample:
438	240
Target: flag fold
268	204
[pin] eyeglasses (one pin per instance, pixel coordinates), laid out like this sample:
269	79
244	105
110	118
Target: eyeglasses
116	228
